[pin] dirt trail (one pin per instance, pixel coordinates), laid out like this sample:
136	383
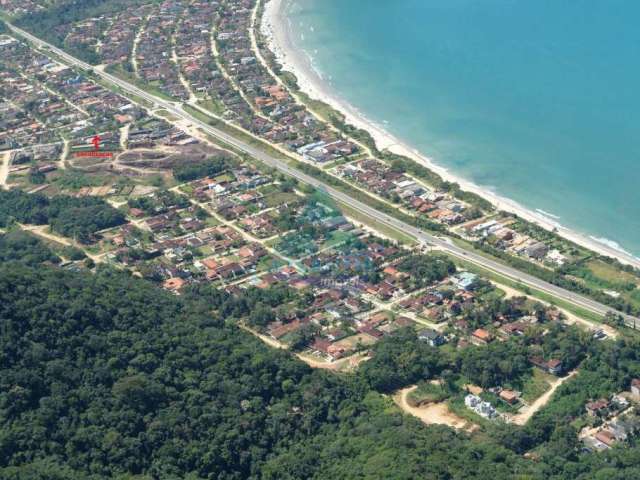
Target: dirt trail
433	413
66	147
136	41
4	169
344	364
43	231
527	412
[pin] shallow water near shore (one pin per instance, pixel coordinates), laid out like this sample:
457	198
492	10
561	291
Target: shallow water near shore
537	101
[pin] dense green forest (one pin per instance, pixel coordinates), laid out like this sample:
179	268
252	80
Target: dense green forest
192	171
103	375
46	23
72	217
21	246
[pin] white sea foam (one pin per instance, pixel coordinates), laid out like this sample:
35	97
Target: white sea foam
610	243
547	214
306	68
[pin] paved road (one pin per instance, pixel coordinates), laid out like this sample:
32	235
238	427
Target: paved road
427	239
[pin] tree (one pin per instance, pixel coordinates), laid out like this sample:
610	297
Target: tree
210	167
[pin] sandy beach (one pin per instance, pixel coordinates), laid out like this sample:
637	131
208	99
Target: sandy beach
277	29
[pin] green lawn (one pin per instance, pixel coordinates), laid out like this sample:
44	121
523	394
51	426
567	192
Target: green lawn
280	198
336	238
611	274
536	385
427	393
213	105
269	263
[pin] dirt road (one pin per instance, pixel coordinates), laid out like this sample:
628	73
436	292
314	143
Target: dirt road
433	413
527	412
4	169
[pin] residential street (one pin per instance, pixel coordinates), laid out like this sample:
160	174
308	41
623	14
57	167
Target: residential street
423	237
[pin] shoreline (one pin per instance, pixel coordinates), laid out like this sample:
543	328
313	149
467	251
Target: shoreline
276	28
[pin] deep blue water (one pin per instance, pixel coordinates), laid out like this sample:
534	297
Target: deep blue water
536	99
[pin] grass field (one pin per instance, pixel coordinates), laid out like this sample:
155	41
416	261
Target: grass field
535	386
336	238
427	393
276	199
611	274
214	106
351	342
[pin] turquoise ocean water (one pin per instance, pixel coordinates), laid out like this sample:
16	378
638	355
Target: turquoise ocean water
539	100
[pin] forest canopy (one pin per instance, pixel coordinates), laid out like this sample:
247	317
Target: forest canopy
104	375
72	217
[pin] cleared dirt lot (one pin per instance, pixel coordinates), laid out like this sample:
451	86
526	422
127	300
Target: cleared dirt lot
432	413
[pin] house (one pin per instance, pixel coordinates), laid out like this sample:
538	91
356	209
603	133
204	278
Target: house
623	427
597	408
210	263
509	396
607	437
321	345
251	251
481	336
514	329
553	366
402	321
465	280
378	318
336	352
432	337
482	408
619	402
635	388
537	250
278	329
334	222
174	284
372	331
556	257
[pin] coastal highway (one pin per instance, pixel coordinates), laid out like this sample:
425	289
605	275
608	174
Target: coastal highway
423	237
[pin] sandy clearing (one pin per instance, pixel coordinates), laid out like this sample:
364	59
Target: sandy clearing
433	413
